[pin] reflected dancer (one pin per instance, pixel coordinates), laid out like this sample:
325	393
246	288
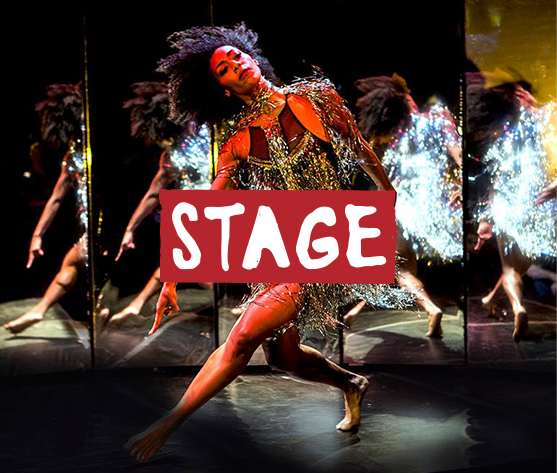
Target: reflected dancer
422	155
514	138
184	162
61	125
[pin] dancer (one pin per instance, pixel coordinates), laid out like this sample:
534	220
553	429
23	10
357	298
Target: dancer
297	137
512	135
185	161
61	124
421	153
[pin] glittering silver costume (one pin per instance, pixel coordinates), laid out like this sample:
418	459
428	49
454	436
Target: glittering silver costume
425	177
519	167
74	162
189	160
312	165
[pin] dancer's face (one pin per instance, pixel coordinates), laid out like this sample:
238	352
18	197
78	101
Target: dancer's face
237	72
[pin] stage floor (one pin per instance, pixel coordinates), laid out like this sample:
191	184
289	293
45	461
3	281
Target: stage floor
415	419
490	342
383	336
56	343
377	337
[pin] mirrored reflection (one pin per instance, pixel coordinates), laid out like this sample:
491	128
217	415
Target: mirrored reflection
44	308
127	306
422	155
511	147
414	129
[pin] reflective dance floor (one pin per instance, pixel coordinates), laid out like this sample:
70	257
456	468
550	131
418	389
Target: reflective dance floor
415	419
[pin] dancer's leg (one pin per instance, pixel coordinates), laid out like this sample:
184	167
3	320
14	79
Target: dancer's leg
60	286
351	316
515	264
489	301
133	309
271	310
408	280
285	353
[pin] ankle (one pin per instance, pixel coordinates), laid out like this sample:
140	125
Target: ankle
36	313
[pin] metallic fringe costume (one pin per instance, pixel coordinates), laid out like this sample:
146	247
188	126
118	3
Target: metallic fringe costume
425	177
520	164
74	163
309	167
189	160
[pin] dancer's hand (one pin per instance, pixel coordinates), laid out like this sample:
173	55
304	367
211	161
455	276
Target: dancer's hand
550	192
166	305
455	201
128	243
485	232
35	249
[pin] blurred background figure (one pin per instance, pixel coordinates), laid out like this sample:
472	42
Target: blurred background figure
185	162
512	138
421	153
62	126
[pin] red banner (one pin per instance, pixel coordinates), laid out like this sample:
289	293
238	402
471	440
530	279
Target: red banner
278	236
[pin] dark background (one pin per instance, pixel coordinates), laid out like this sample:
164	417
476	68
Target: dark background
348	40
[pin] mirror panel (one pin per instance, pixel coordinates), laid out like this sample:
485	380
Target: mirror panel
45	294
511	207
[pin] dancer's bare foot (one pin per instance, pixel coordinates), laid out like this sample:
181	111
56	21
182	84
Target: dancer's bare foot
489	305
434	329
145	445
521	330
121	317
353	397
104	313
25	321
353	313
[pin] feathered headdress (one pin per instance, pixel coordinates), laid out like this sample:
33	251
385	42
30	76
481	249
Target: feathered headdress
383	108
61	113
149	111
491	104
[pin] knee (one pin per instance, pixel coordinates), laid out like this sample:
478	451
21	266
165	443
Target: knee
511	276
66	277
242	341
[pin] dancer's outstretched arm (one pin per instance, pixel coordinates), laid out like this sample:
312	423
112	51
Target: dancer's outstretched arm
371	164
148	203
49	212
230	156
345	123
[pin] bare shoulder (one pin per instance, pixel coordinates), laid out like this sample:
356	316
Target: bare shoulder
303	109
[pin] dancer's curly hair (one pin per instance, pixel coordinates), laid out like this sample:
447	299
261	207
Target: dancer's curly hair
194	92
489	109
61	113
383	109
149	111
